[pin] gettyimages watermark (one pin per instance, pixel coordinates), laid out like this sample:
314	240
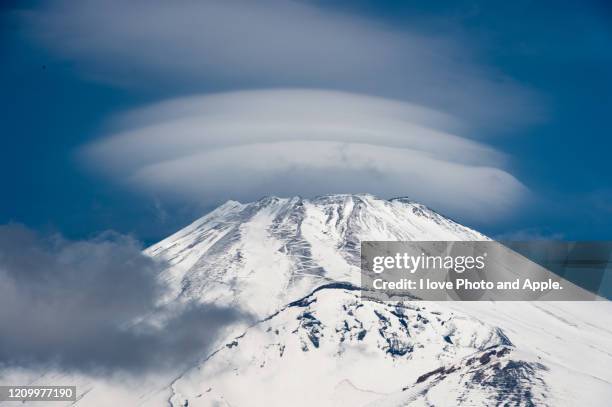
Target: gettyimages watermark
486	270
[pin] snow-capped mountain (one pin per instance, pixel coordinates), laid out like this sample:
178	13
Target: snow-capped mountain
263	255
294	263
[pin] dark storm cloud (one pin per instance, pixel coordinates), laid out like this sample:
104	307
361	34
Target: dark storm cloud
91	306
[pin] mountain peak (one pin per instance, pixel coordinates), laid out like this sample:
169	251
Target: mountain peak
337	199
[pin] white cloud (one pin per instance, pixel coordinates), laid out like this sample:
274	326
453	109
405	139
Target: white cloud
196	46
244	145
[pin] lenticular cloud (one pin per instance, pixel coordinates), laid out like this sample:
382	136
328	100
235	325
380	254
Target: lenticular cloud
243	145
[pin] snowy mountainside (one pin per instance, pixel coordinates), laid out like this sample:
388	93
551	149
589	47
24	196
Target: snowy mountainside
335	348
338	346
262	255
295	263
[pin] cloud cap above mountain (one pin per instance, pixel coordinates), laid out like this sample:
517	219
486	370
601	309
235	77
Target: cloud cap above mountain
242	145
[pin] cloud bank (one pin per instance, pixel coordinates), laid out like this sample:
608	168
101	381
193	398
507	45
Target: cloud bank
81	305
243	145
235	44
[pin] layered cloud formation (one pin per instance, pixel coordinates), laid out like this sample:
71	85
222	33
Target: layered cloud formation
235	44
243	145
283	139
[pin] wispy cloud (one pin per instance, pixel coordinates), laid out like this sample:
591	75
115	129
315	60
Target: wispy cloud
244	145
236	44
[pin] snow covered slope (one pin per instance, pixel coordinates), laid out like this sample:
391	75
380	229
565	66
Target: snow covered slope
262	255
332	348
295	263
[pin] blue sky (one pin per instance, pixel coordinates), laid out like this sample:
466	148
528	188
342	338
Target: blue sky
528	83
